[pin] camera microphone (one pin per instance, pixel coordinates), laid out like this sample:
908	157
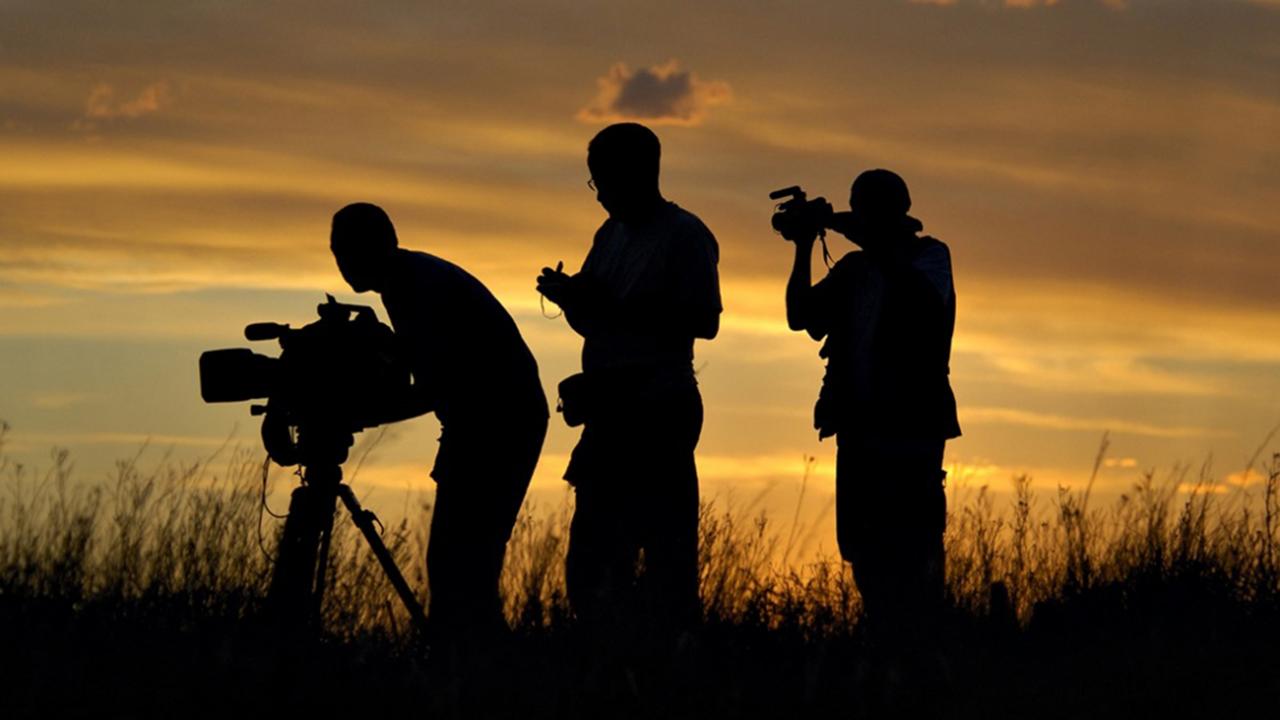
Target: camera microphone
793	191
265	331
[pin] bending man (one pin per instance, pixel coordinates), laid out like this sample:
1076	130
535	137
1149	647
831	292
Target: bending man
472	369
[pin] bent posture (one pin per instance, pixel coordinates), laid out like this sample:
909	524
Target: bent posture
472	369
647	289
887	315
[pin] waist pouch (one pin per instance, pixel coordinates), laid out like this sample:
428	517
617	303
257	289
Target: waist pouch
588	396
576	400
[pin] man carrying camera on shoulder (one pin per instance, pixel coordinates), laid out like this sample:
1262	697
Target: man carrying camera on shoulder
887	314
470	367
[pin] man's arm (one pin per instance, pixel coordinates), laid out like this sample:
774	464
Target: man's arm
586	306
695	303
417	329
800	292
414	402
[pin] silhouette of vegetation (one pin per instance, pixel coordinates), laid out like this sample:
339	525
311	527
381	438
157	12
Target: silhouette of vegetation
141	597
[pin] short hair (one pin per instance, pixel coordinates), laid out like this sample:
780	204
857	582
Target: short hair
626	146
880	193
365	221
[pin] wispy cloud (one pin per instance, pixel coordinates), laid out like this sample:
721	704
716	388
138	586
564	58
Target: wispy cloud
1013	416
60	400
105	103
27	441
1246	478
662	94
1113	4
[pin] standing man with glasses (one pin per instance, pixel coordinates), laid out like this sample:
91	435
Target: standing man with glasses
647	289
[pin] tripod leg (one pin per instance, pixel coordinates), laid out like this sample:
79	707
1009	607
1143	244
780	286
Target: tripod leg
297	582
289	597
324	520
364	520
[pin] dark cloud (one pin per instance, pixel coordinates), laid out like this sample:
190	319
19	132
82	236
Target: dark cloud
662	94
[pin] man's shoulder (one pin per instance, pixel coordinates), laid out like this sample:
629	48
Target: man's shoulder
931	244
605	231
932	252
420	272
685	223
419	261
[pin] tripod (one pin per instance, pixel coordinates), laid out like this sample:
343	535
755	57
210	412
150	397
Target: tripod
298	580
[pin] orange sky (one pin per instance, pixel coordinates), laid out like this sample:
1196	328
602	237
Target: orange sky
1106	174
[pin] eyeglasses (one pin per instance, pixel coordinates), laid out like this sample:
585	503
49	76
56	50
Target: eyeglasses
591	183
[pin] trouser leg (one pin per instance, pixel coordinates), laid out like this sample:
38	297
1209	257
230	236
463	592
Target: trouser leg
890	519
470	526
670	537
637	488
603	549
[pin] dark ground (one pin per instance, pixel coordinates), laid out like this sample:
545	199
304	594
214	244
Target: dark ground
1162	651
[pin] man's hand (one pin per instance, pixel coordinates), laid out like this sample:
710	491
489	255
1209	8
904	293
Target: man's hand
555	285
801	237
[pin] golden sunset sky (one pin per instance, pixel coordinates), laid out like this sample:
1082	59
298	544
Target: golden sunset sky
1107	175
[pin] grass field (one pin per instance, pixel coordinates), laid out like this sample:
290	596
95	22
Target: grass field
143	598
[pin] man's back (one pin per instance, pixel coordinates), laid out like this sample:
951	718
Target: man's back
461	341
888	327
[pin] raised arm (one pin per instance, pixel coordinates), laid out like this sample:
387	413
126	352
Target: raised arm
800	293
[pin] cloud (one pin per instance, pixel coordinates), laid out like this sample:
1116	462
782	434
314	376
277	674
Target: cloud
60	400
105	104
1246	478
662	94
1127	462
1113	4
1011	416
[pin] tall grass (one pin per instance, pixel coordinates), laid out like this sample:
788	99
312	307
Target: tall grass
189	540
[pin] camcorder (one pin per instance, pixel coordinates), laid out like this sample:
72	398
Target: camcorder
797	216
331	380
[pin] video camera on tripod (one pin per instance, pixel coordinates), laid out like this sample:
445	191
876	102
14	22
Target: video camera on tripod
333	378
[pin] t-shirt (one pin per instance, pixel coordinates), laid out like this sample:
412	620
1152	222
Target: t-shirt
661	276
462	344
888	331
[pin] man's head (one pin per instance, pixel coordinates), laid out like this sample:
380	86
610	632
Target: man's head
624	159
362	240
878	205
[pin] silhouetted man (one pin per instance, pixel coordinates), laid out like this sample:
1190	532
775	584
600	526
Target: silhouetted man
472	369
887	314
647	289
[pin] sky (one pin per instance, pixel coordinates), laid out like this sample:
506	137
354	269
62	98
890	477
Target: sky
1106	174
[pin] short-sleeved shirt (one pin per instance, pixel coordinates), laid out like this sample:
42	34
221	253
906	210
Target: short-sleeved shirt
888	335
665	267
462	345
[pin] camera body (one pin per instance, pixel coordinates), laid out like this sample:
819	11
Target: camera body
331	379
797	216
